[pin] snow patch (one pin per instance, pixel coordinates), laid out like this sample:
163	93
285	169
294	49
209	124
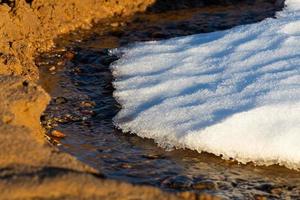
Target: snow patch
234	93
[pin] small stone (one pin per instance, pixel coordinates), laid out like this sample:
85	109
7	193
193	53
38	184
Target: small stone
69	55
60	120
87	112
60	63
58	134
4	8
177	182
126	166
115	24
71	118
53	141
266	187
84	118
53	68
260	197
276	191
87	104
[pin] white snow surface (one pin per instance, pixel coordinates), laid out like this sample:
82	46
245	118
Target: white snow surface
234	93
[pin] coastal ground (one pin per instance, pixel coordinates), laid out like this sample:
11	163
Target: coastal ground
68	70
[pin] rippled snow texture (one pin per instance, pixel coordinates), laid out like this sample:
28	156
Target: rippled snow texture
234	93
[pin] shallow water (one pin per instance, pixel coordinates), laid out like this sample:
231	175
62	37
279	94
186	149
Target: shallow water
76	74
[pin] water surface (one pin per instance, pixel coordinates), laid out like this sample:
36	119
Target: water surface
77	76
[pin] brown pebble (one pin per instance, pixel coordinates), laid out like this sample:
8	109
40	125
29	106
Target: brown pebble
60	63
126	166
115	24
69	55
260	197
87	112
51	69
276	191
87	104
58	134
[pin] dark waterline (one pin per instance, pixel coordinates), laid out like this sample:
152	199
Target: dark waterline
76	74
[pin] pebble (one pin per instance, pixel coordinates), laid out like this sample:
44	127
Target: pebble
126	166
177	182
115	24
60	120
69	55
84	118
53	141
87	112
260	197
58	134
276	191
71	118
60	63
87	104
266	187
53	68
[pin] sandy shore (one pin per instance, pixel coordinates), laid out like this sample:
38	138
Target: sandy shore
29	166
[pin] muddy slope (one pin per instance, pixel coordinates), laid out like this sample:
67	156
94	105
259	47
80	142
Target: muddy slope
30	168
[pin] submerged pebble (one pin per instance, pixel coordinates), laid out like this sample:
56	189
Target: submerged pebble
58	134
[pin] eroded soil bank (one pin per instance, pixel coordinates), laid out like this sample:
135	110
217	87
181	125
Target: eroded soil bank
30	168
77	76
